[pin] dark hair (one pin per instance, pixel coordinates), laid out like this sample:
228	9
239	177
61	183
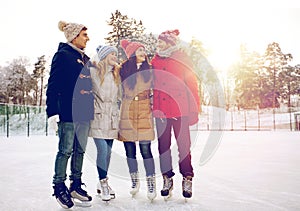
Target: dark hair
129	70
83	29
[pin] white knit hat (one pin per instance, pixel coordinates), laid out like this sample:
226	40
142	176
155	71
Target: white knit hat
71	30
104	50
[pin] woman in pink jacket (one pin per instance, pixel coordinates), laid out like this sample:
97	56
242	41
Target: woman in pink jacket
175	105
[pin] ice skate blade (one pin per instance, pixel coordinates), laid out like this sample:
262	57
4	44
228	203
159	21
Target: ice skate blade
133	193
106	200
186	200
166	198
79	203
151	197
63	205
112	196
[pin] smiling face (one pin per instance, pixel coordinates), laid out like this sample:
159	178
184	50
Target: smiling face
112	58
162	45
81	40
140	54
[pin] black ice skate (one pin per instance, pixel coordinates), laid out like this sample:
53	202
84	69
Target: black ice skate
63	196
187	187
166	192
80	196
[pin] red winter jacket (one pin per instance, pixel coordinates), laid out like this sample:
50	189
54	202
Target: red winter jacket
175	87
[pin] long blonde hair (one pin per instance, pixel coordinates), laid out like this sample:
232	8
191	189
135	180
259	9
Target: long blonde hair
102	66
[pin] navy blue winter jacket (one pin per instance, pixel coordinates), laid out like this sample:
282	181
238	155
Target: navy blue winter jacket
69	91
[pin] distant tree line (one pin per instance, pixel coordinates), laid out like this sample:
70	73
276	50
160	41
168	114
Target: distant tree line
258	80
264	80
21	84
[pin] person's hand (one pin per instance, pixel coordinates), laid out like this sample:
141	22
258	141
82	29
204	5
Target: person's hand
54	118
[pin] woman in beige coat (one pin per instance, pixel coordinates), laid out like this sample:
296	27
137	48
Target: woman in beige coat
104	128
136	122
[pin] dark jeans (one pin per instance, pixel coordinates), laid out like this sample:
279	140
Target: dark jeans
145	149
180	126
103	156
72	143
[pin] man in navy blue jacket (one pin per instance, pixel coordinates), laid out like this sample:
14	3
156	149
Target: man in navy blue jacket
69	95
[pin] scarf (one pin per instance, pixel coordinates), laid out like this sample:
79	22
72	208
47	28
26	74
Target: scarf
168	52
77	49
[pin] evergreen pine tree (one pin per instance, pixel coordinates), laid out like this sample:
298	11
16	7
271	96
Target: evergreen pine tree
128	28
38	78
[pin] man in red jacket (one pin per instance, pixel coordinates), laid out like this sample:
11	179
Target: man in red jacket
175	105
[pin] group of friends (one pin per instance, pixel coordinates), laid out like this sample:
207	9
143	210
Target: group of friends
98	97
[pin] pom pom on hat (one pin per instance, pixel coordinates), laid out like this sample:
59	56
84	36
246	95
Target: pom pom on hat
62	25
170	36
71	30
104	50
130	47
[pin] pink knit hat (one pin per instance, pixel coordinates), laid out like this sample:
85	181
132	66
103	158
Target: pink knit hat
170	36
130	47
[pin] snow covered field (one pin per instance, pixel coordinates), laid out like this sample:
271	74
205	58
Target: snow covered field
251	170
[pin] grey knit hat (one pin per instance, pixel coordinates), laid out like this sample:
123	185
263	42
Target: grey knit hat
71	30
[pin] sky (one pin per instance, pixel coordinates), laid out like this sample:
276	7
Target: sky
29	28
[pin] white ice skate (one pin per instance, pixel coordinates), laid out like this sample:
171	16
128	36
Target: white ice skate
135	183
151	187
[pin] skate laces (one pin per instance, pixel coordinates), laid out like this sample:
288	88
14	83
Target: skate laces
105	187
77	187
151	183
187	184
109	188
62	193
134	180
81	191
105	190
168	182
65	196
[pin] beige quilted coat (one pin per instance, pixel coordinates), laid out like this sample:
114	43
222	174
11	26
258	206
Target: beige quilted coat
136	122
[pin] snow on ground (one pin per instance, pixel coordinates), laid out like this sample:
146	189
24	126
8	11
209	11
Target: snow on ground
251	170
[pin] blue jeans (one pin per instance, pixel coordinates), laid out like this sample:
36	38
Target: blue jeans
145	149
72	143
103	155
